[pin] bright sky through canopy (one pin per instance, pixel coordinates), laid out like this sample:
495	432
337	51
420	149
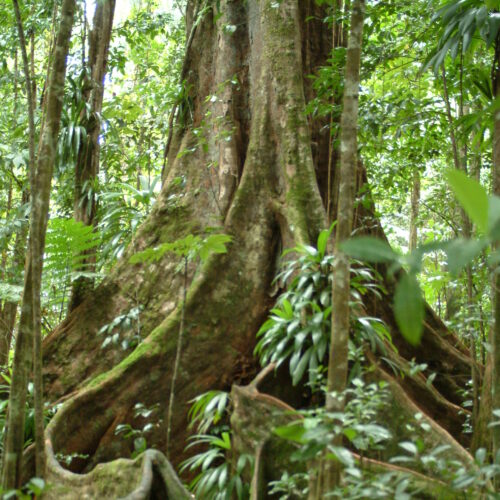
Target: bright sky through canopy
123	7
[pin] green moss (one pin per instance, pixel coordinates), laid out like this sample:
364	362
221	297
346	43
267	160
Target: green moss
141	350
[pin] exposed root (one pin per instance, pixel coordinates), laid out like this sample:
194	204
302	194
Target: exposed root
256	414
149	476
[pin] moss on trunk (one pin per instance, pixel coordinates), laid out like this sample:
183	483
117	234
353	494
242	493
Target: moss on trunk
266	188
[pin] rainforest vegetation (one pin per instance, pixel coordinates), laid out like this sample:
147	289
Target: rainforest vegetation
250	249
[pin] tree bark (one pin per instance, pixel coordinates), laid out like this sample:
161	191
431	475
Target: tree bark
495	331
268	192
338	360
9	310
28	345
414	210
87	162
460	160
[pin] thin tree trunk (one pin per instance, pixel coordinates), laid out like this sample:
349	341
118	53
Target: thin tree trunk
415	206
460	161
337	30
4	314
37	360
9	311
337	366
32	65
87	163
36	312
495	331
29	338
329	474
29	93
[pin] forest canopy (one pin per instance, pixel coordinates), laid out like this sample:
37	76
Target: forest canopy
250	249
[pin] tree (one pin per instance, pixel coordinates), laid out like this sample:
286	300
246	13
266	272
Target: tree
87	162
30	322
244	158
456	38
338	360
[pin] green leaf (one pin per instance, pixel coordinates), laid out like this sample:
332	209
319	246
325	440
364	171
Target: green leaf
224	443
350	434
322	242
301	367
409	447
369	249
341	454
494	217
323	239
461	252
36	485
215	243
287	307
409	308
472	196
149	255
293	432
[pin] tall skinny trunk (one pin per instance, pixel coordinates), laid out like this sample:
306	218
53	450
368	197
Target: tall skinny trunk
339	350
9	311
337	365
87	163
29	337
460	162
415	206
495	331
22	233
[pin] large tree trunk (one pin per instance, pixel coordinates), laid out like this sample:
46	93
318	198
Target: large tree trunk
257	167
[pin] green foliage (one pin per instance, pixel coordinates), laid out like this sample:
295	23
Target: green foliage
29	420
149	417
358	423
189	247
408	301
461	252
299	327
219	478
68	243
207	410
290	486
366	248
361	426
461	20
123	330
10	293
472	196
75	117
315	433
469	481
124	207
34	488
409	308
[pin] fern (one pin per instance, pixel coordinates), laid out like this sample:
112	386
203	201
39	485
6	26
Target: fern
124	208
68	243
